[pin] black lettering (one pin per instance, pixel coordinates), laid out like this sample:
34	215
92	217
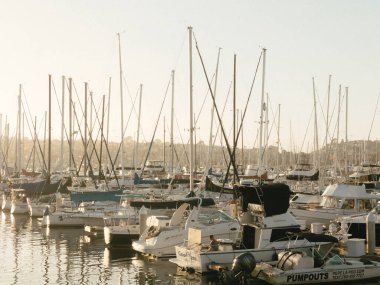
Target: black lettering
326	276
288	278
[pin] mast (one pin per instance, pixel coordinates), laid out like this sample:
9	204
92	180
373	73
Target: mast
63	120
278	137
18	142
122	113
261	114
70	121
85	128
316	146
164	148
108	111
138	129
242	140
345	145
1	146
171	129
90	144
327	120
191	108
49	132
6	146
45	127
234	117
34	143
337	132
101	138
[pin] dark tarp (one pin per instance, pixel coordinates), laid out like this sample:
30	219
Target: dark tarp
274	197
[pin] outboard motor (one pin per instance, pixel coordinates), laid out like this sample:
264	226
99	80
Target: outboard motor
242	266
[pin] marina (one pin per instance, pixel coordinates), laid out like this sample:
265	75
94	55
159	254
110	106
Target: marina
189	143
31	254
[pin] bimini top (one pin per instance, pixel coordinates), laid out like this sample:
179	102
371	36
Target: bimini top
274	197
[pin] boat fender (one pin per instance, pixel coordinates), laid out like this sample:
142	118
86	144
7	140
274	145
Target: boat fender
284	258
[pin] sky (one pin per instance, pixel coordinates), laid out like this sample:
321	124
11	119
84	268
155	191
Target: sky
303	40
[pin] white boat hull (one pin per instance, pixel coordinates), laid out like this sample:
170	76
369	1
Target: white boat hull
121	235
327	274
19	208
72	219
164	244
204	261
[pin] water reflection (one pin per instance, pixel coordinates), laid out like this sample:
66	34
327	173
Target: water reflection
120	255
60	256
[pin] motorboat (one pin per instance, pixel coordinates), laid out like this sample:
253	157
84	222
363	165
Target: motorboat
267	228
19	204
94	192
123	228
310	266
162	234
36	208
355	226
90	214
338	199
303	171
305	268
305	200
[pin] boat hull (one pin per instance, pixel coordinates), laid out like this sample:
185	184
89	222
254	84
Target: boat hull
322	275
78	196
206	261
119	236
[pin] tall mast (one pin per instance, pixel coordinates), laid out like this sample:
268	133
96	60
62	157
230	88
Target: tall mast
164	148
85	127
1	145
191	108
327	120
261	114
316	145
242	139
278	136
101	137
345	145
70	121
234	117
6	146
171	129
34	143
18	142
122	112
337	131
108	111
63	120
138	130
49	131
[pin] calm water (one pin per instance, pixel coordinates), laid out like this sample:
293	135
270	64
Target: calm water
30	254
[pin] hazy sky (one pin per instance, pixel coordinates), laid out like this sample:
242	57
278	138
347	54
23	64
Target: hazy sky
304	39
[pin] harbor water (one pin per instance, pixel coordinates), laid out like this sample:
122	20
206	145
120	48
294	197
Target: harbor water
30	254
